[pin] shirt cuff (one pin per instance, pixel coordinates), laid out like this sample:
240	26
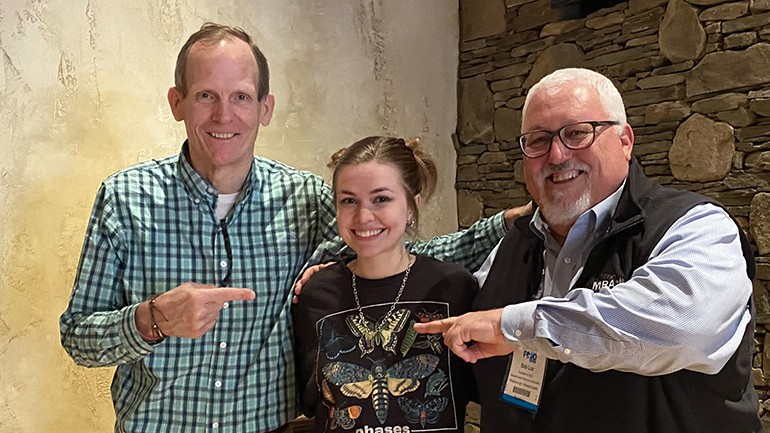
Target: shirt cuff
131	336
497	225
518	322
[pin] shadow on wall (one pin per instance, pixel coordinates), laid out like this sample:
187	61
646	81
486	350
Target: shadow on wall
573	9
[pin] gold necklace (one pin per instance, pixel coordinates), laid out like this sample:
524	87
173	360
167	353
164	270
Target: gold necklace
378	326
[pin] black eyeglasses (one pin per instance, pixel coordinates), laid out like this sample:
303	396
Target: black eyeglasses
574	136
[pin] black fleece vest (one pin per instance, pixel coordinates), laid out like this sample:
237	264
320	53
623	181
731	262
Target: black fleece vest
577	400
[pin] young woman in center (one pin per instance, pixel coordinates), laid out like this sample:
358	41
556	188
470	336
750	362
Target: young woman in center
361	367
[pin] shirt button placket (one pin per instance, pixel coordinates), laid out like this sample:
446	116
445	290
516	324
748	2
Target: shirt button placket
219	361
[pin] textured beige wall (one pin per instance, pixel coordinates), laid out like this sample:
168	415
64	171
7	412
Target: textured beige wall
83	95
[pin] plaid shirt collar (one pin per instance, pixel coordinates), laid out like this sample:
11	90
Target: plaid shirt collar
201	190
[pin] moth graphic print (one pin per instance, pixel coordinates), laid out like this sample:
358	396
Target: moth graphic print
343	417
423	412
363	368
383	333
380	382
334	343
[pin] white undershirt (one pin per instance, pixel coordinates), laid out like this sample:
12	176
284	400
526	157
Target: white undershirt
224	204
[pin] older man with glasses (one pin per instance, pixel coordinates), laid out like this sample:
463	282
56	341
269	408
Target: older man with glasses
620	305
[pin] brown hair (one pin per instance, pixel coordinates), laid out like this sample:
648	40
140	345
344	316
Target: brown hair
212	33
418	171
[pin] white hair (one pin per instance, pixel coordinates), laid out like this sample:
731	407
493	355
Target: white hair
609	95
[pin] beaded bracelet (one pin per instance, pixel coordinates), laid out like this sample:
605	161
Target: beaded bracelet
159	335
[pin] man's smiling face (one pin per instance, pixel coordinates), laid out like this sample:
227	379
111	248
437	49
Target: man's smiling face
564	182
220	110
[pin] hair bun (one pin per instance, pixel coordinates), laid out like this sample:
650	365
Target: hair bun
412	143
336	157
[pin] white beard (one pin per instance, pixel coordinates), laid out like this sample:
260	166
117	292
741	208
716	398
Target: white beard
559	208
558	212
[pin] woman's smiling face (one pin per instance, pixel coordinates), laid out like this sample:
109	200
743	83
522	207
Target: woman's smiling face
372	209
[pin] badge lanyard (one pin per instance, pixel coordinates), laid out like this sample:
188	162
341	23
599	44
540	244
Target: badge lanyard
526	373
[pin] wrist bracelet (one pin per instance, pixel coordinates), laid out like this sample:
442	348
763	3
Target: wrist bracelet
158	334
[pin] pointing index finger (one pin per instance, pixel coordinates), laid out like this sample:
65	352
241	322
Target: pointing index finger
225	294
434	327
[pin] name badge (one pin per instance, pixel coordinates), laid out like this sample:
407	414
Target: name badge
526	371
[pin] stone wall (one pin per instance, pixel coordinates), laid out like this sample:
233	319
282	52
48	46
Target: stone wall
695	77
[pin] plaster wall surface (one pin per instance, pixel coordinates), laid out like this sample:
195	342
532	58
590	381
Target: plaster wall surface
83	94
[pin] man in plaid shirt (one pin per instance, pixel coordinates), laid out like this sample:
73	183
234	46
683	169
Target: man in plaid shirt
184	281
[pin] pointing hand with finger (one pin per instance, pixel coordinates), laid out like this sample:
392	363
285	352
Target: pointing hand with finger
189	310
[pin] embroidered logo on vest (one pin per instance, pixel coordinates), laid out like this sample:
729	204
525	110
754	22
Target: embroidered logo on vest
606	281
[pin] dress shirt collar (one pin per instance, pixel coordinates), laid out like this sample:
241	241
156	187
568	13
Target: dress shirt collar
596	218
201	190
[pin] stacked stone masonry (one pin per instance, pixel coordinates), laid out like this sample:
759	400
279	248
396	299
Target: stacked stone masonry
695	77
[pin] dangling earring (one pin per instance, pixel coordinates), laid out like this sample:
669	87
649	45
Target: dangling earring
410	223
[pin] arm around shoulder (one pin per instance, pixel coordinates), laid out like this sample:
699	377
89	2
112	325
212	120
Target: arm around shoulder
515	213
471	246
467	247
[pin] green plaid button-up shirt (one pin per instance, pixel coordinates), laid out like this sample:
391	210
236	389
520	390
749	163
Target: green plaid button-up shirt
153	228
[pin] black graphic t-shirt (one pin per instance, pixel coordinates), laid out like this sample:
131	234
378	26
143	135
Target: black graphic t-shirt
374	374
